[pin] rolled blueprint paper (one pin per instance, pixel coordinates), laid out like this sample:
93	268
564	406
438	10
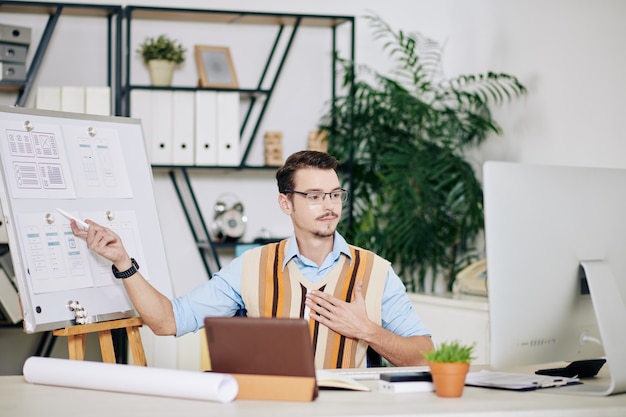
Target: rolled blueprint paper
131	379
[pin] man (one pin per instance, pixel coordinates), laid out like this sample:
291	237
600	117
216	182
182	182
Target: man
352	297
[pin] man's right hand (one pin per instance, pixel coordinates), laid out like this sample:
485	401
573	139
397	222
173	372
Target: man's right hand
104	242
154	308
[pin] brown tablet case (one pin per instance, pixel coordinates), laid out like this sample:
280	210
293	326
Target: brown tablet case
271	358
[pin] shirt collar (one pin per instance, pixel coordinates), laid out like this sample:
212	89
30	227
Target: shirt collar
339	246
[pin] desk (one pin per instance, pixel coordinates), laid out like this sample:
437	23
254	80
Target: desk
21	399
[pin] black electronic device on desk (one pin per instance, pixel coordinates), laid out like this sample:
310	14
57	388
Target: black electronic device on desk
581	369
406	382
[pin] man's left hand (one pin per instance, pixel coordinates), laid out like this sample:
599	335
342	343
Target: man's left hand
348	319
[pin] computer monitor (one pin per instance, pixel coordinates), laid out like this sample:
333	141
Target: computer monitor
556	266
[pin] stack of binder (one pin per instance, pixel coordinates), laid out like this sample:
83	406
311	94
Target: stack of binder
189	128
14	43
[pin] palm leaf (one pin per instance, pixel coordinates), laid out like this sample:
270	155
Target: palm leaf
415	200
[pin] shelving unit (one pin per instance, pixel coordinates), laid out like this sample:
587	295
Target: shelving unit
258	97
113	15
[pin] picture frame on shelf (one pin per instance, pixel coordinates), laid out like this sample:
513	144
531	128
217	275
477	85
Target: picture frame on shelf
215	67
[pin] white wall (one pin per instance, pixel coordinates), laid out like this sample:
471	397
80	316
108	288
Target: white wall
569	54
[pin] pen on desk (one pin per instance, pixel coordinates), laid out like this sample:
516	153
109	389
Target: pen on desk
81	224
554	383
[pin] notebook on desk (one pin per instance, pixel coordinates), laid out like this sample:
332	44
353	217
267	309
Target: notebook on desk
254	349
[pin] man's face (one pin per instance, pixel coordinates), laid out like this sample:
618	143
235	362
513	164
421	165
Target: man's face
319	219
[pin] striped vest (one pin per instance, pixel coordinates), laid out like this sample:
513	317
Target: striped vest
269	291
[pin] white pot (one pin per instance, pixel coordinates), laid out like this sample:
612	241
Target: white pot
161	72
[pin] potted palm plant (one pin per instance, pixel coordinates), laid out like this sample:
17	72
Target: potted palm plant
449	364
161	54
401	139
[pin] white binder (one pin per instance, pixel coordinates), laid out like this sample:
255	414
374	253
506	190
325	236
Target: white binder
228	129
184	128
98	101
162	127
141	108
73	99
48	98
206	128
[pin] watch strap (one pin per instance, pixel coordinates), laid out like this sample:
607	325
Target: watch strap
128	273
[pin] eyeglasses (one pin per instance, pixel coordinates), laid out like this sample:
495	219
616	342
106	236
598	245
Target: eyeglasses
316	197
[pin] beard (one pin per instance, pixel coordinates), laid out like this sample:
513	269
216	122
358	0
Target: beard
330	229
325	233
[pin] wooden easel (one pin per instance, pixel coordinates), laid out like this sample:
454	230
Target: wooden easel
77	339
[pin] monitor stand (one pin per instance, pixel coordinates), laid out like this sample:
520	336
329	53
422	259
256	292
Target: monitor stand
609	305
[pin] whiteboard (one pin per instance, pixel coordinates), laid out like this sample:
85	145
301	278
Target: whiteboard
94	167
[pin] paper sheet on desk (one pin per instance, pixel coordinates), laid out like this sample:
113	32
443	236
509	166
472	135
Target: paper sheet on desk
131	379
514	381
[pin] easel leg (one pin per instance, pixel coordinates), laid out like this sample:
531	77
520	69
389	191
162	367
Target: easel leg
77	339
106	346
76	344
136	346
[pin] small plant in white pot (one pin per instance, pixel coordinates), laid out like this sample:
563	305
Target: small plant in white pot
161	54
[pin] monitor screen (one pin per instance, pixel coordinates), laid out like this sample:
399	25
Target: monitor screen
541	224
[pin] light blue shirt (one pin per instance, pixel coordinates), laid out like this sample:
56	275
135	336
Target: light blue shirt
221	295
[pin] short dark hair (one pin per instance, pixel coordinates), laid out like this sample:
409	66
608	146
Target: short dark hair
299	160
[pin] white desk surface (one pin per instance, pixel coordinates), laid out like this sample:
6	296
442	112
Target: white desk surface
21	399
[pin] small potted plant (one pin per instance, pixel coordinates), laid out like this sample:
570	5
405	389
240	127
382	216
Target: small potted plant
161	54
449	364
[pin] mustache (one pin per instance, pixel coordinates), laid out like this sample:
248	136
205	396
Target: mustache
328	213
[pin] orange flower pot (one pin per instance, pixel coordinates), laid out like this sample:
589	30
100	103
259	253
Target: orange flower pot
449	378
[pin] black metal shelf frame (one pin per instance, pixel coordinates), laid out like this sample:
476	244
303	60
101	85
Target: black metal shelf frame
113	14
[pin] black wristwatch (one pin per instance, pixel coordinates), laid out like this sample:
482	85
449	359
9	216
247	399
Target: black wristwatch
128	273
